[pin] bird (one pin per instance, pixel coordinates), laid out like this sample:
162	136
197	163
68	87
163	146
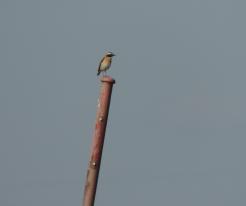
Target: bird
105	63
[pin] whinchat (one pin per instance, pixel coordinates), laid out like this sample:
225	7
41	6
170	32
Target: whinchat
105	63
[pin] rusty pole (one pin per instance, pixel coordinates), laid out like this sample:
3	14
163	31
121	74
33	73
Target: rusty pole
98	140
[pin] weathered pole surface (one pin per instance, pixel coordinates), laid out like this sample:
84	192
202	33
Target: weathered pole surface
98	140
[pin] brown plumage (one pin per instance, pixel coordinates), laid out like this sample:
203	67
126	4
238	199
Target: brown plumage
105	63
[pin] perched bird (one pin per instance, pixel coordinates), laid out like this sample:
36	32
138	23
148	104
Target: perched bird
105	63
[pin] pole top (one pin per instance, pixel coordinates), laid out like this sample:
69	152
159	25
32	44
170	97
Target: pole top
108	79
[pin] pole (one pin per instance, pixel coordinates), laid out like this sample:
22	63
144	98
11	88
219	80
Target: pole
98	140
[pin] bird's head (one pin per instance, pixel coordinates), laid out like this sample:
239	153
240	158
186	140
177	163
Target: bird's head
110	54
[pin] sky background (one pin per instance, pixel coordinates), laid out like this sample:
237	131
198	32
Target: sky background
177	125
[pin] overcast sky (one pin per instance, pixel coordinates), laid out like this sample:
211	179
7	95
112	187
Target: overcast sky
177	123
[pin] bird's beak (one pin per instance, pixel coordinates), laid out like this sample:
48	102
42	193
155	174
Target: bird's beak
113	55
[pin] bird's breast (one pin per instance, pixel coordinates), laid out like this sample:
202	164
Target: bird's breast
105	64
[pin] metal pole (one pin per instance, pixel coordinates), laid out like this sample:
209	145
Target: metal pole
98	140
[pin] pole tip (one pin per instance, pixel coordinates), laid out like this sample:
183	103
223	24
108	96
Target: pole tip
108	79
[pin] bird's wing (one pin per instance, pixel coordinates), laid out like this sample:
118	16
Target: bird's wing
98	70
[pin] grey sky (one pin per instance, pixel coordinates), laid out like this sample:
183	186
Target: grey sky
177	125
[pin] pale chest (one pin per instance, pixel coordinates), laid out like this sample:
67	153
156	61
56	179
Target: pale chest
105	63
